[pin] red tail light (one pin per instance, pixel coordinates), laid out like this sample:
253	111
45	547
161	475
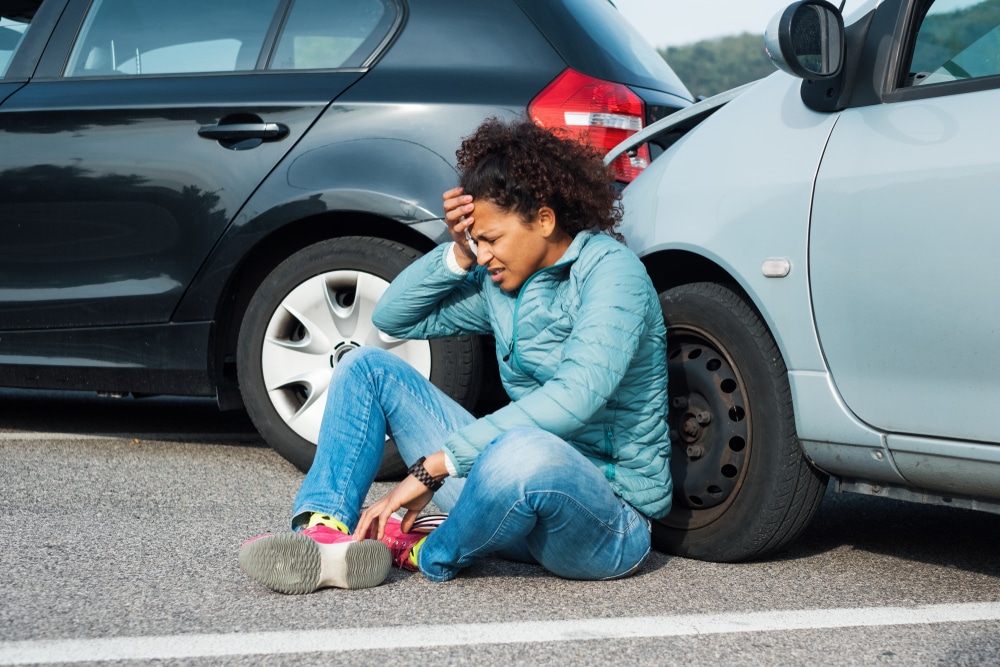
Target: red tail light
598	112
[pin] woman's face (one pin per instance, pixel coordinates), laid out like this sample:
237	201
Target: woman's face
512	249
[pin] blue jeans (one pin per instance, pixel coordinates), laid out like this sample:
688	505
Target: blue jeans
530	496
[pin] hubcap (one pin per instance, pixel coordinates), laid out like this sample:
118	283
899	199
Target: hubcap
709	427
314	327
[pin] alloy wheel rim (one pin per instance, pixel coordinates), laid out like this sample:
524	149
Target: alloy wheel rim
314	327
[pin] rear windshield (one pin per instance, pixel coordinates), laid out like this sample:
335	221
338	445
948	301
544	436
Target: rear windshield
594	38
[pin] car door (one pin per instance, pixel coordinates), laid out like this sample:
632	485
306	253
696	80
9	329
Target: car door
904	236
144	129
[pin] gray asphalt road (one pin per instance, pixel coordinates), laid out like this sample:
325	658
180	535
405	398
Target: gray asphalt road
121	519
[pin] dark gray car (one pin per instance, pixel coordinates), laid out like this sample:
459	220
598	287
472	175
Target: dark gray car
208	198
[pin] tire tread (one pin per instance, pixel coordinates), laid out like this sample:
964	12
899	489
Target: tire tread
798	487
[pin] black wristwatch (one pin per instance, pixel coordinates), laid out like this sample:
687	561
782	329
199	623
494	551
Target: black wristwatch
420	472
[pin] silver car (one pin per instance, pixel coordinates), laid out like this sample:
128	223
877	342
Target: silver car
822	241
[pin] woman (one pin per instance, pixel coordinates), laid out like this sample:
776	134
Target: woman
563	476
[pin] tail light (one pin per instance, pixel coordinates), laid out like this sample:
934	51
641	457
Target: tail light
597	112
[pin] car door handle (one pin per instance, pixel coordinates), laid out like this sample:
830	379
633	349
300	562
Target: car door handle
242	131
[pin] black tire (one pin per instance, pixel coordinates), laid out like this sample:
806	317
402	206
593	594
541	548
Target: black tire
743	488
342	271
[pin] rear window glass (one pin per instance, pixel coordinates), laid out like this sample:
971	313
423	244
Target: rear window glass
142	37
330	34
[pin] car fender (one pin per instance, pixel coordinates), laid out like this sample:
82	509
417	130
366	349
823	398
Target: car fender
402	180
391	179
681	120
737	191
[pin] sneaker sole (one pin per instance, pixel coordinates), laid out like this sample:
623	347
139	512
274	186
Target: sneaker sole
296	564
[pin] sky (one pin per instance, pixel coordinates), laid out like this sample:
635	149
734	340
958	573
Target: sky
677	22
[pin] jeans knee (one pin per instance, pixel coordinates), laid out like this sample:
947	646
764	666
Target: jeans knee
524	456
363	360
366	367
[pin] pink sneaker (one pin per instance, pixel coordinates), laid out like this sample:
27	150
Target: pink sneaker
317	557
404	546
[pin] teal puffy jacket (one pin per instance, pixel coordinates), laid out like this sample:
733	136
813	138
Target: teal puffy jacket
582	354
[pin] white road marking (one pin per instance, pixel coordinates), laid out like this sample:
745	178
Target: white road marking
27	436
471	634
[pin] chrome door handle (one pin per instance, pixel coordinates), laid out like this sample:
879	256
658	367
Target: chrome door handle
241	131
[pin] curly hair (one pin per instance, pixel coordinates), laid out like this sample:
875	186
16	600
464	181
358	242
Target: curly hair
521	167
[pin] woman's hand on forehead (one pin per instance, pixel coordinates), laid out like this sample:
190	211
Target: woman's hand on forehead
458	209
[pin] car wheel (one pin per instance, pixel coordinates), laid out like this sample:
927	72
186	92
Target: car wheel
742	486
307	315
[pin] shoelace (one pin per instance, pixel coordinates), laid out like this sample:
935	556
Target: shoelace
400	547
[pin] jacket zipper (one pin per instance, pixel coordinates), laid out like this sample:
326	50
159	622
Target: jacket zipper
512	350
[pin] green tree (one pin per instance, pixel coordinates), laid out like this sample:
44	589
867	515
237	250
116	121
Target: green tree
713	66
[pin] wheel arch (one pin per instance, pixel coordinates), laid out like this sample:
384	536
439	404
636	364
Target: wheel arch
671	268
679	269
831	436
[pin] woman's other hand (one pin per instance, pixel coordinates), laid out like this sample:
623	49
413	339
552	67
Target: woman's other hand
410	494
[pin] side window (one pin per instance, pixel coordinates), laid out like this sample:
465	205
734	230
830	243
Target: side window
331	34
958	39
15	19
141	37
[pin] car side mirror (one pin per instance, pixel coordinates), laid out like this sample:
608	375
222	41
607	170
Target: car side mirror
806	40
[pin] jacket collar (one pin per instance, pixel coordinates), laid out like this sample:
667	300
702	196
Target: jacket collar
575	248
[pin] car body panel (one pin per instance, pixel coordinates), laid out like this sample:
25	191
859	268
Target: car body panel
882	213
507	69
144	359
722	163
901	232
113	198
406	190
679	121
8	88
948	466
711	191
136	219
